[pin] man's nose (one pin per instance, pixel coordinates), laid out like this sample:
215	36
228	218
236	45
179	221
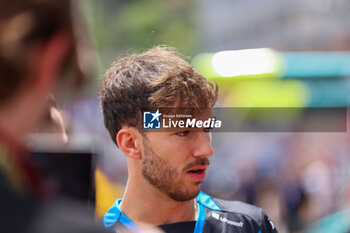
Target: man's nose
202	147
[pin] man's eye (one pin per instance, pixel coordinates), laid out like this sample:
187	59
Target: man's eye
182	133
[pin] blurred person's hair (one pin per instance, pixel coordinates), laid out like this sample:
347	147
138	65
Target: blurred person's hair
157	78
28	24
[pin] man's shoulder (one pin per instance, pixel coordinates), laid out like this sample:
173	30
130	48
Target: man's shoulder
235	213
241	208
234	207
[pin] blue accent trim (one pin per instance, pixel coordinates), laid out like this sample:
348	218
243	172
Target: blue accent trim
129	224
201	218
115	214
259	231
207	201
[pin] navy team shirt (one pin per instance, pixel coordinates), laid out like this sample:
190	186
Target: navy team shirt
214	215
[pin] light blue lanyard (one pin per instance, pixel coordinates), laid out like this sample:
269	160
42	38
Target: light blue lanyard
123	219
201	219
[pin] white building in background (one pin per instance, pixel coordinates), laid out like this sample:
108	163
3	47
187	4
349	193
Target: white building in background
282	24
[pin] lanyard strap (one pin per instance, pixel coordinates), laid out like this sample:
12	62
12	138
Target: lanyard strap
129	224
201	219
123	219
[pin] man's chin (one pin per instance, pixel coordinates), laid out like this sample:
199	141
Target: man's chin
185	196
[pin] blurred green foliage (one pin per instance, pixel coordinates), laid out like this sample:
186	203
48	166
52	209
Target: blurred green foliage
120	26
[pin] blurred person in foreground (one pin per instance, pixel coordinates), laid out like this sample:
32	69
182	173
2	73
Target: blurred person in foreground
166	168
38	55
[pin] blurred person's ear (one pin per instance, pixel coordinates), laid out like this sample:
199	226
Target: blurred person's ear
129	142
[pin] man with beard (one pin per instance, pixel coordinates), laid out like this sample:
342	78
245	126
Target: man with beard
166	167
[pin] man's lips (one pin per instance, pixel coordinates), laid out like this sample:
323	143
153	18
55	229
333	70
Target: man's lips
198	167
197	173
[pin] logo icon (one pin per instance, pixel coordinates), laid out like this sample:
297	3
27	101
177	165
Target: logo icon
151	120
215	215
227	221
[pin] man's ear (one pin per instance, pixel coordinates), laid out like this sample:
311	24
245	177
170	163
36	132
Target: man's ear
129	141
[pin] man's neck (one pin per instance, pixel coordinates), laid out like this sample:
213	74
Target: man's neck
152	207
